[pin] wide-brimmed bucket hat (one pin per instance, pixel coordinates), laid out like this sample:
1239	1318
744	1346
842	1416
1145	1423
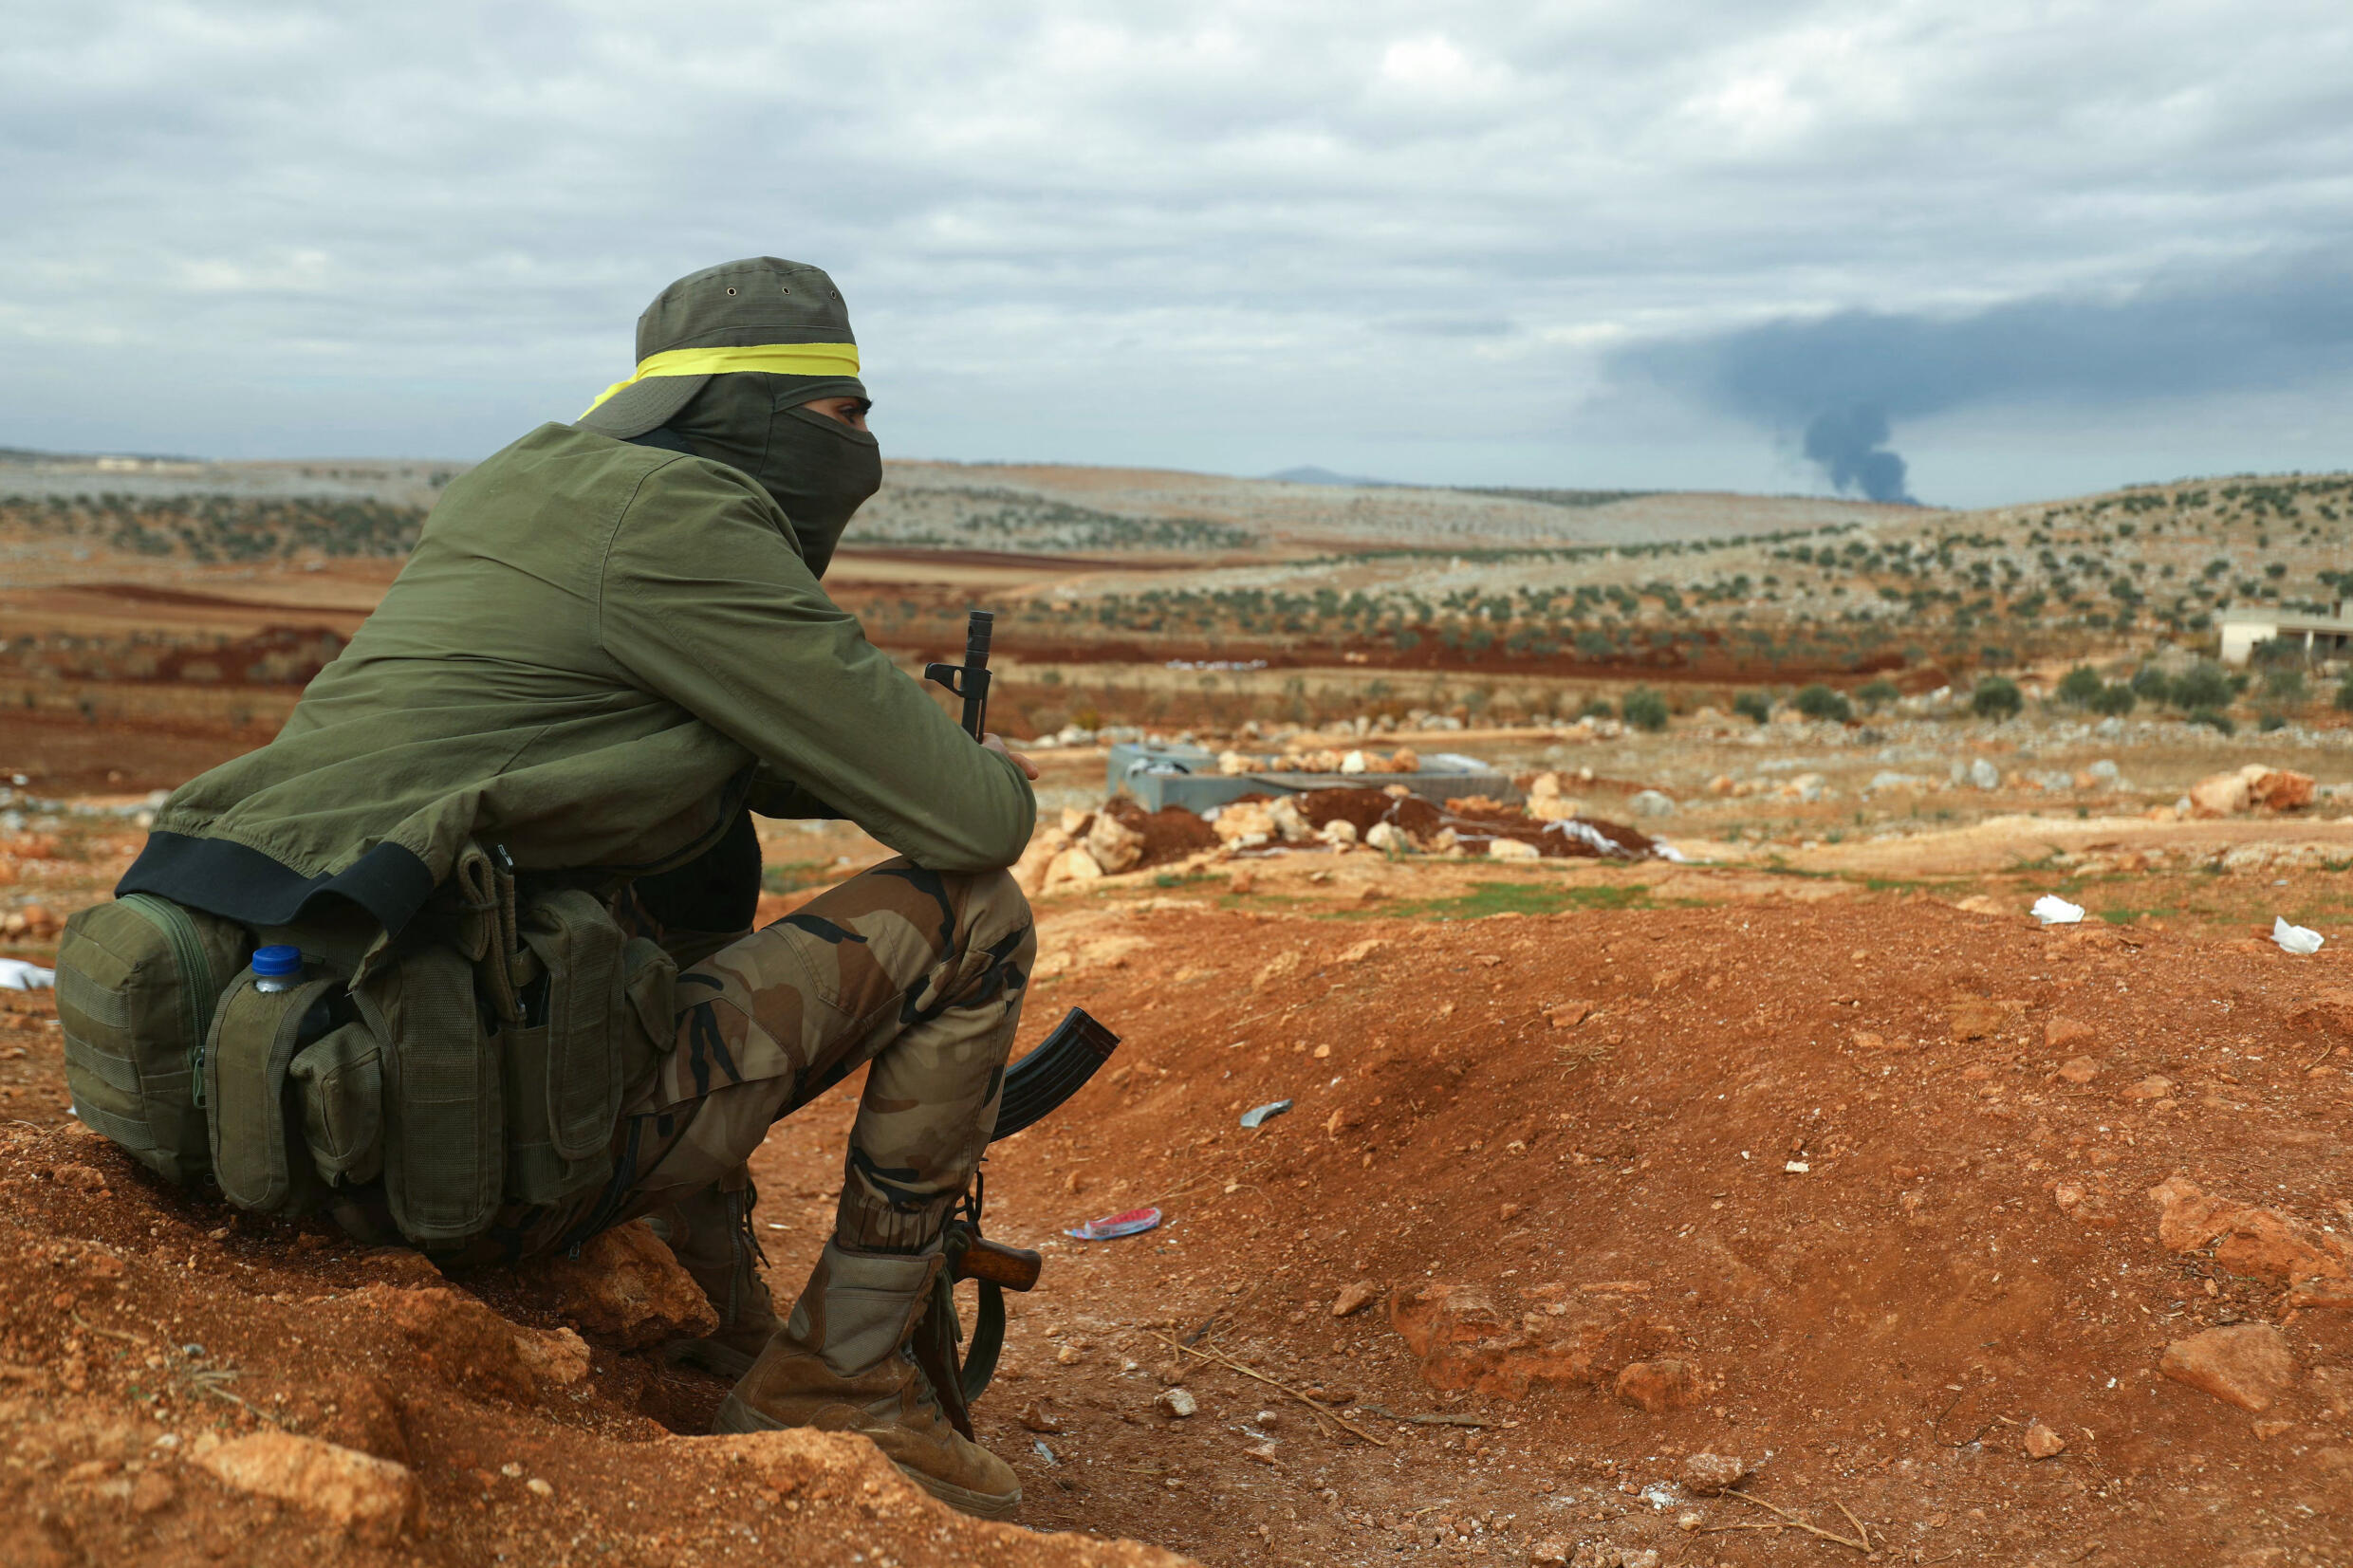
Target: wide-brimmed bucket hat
761	315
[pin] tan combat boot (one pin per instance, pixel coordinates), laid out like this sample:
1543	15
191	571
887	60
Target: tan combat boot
842	1363
710	1234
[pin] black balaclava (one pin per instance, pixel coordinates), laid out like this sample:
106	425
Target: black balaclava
819	469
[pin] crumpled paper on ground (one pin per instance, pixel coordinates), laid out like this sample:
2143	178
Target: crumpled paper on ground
17	975
2295	939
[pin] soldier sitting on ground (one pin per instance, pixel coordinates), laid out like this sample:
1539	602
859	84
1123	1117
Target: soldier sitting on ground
465	958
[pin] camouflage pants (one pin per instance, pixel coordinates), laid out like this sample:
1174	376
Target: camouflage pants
916	974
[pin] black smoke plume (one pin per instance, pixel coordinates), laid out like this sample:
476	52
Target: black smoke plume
2273	323
1850	444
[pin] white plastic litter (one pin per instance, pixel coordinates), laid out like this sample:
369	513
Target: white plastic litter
2295	939
1585	833
2051	910
17	975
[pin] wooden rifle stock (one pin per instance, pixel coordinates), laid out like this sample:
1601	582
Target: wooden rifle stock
1013	1268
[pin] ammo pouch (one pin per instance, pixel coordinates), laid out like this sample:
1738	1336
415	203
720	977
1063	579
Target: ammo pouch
499	1075
334	1083
589	1015
137	982
511	1037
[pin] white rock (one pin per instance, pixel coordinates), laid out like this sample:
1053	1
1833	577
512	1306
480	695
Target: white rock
1546	803
1984	775
1177	1402
372	1498
1243	819
1353	762
1651	803
1340	833
1073	865
1387	837
1115	846
554	1356
1512	849
1030	871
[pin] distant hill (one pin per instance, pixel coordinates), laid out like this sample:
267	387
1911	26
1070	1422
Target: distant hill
1310	475
28	454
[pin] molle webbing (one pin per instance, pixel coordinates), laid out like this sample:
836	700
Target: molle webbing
444	1136
137	980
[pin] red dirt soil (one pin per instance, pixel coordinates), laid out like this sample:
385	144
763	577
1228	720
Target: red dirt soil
66	755
1572	1110
1877	1330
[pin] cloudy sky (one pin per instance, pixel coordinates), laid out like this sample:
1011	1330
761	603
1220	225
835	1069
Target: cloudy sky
1972	250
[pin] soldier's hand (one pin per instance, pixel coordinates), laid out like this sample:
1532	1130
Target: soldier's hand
996	743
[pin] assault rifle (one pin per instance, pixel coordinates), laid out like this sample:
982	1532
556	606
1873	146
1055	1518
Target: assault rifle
970	680
1033	1088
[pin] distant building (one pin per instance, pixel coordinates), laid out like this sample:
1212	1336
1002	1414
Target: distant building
2322	636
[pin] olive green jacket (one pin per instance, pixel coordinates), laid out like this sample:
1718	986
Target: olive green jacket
599	653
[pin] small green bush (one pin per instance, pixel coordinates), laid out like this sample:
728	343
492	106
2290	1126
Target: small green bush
2212	718
1645	709
1996	697
2284	685
2150	685
2345	694
2113	701
2268	721
1757	705
2081	685
1819	702
1876	695
1597	707
2203	685
2275	653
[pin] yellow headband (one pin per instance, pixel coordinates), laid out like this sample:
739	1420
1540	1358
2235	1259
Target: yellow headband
774	358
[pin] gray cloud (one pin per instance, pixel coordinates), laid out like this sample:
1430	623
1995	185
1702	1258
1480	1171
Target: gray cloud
1208	233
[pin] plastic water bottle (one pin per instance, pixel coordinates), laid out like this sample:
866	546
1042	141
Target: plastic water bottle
277	968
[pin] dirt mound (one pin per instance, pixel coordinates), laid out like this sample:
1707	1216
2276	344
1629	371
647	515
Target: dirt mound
1475	826
1170	834
1869	1195
179	1383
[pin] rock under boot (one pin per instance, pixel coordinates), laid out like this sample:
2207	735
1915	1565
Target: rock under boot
842	1363
710	1234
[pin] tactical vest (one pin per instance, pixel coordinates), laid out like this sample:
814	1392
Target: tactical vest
480	1057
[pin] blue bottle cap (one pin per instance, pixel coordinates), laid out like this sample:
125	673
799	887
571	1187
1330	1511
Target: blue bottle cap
278	961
